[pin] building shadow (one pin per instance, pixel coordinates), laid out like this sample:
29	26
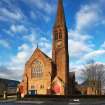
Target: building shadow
45	100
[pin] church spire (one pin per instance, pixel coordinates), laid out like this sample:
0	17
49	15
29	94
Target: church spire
60	18
60	54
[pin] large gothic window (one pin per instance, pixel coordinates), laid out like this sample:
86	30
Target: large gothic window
37	69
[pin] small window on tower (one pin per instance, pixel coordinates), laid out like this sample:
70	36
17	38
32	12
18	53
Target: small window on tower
56	36
60	35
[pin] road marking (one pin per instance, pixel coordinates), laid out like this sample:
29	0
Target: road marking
31	102
5	101
74	103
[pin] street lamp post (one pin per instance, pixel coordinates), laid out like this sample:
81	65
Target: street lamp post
27	83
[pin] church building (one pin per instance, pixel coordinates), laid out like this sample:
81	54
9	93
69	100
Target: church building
44	75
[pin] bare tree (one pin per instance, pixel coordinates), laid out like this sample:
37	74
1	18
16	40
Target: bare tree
94	72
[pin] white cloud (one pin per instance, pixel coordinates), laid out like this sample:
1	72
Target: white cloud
37	15
33	15
87	16
18	28
10	74
4	43
42	5
96	53
15	28
77	48
80	41
32	37
74	34
18	61
49	8
8	15
103	45
45	46
23	47
11	12
46	18
79	44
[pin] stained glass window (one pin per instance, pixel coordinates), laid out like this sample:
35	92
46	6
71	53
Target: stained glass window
37	69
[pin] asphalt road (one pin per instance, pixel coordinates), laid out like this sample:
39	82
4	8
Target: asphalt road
69	102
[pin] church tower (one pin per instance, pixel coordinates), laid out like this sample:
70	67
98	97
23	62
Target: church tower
60	54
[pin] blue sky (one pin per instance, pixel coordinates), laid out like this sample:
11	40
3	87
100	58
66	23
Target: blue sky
24	23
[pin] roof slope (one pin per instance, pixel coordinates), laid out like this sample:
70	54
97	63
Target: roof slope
38	51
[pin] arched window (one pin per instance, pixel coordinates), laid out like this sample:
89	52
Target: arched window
37	69
56	35
60	35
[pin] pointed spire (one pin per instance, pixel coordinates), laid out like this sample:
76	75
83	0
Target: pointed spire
60	18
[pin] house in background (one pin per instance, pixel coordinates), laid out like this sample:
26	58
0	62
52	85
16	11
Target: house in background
10	86
90	88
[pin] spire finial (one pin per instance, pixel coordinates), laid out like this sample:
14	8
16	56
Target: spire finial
37	45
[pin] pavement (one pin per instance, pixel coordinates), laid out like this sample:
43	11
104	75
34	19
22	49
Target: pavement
37	103
52	102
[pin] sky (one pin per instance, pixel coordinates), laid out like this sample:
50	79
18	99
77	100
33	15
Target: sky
26	23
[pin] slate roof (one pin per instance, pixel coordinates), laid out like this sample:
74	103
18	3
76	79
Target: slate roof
9	83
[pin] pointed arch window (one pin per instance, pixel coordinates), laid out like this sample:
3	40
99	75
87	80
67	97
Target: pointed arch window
56	35
60	34
37	69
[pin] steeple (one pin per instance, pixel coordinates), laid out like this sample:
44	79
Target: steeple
60	55
60	18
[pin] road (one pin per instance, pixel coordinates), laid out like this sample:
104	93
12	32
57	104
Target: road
69	102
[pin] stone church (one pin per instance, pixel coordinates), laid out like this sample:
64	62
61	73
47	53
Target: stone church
44	75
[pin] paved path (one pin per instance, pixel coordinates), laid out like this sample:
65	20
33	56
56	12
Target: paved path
81	102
